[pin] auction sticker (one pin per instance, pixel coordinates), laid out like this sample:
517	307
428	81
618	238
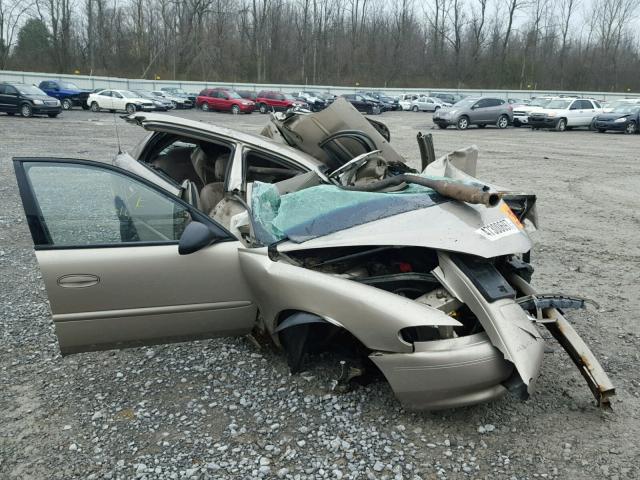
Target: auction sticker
498	229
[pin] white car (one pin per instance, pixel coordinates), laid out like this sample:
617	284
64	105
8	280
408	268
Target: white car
113	100
406	98
428	104
566	113
610	107
521	112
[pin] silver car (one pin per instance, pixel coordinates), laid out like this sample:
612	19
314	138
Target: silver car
428	104
481	111
204	231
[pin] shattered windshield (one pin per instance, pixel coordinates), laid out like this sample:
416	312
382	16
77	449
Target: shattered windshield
324	209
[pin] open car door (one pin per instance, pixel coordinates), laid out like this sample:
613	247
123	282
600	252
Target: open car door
107	244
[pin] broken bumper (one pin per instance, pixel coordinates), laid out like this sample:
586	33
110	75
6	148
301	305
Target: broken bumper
446	373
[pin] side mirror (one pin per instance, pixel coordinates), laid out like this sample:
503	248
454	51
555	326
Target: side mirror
195	237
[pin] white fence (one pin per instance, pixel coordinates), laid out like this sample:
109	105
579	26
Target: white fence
84	81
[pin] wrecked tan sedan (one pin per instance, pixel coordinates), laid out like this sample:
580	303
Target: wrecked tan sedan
316	233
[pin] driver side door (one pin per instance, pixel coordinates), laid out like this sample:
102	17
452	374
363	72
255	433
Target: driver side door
107	241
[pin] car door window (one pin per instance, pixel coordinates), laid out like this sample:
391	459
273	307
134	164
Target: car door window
484	103
116	95
88	205
576	105
11	90
586	104
260	167
3	89
106	93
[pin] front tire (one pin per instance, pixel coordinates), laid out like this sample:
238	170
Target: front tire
205	107
262	108
26	110
67	104
463	123
561	126
631	128
414	108
602	130
235	109
130	108
503	122
95	107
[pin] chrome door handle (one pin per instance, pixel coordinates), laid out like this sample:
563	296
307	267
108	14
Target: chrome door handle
78	280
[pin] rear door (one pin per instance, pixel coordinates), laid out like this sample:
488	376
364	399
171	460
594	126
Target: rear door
107	244
105	99
118	101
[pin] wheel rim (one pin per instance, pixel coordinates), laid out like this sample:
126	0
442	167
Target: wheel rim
562	125
66	104
415	109
263	109
25	110
462	123
205	107
94	107
131	109
503	122
631	127
235	109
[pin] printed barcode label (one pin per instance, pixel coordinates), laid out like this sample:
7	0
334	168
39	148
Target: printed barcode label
498	229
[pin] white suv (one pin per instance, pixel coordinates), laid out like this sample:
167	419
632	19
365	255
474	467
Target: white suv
521	112
565	113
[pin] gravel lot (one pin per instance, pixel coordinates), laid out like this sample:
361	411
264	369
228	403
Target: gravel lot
226	409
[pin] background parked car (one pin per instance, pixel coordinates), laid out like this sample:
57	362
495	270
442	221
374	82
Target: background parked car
521	112
405	100
178	102
68	93
565	113
27	100
362	103
267	101
113	100
223	100
179	92
387	102
160	103
446	97
475	111
427	104
314	99
624	118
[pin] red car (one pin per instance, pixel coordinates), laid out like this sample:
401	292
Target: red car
268	101
223	99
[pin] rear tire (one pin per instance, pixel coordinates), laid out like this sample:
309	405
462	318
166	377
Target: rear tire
561	126
463	123
26	110
11	114
95	107
503	122
631	128
67	104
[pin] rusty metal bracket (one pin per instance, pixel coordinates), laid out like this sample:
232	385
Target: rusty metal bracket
595	376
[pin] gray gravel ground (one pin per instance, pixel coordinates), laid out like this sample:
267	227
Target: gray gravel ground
225	409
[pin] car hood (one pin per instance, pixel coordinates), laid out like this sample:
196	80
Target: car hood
40	97
612	116
450	226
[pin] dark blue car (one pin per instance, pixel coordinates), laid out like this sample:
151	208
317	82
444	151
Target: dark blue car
624	118
69	94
